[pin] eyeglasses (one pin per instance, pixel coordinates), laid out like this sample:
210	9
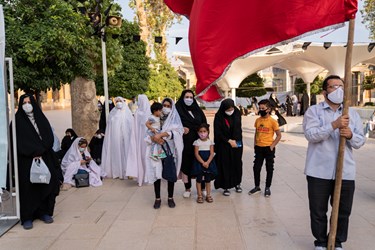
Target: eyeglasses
335	86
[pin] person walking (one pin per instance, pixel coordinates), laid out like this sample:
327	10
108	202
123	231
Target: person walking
192	117
265	146
323	125
228	147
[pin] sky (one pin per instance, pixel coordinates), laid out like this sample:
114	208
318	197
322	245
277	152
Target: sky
361	33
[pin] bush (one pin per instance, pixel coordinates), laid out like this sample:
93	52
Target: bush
369	104
203	107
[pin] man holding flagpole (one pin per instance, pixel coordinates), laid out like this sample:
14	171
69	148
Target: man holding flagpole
323	125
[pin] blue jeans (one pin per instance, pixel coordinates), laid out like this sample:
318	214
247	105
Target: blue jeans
320	192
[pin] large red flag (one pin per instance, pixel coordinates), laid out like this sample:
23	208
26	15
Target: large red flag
221	31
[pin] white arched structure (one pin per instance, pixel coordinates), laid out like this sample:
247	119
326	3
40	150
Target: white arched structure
305	63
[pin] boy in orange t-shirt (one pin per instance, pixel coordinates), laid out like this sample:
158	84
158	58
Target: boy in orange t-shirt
264	146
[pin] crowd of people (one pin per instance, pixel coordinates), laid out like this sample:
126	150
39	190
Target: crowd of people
171	141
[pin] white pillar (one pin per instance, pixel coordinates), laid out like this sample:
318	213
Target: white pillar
308	89
234	95
226	93
288	83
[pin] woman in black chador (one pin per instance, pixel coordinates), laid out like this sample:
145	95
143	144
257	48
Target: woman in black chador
35	139
191	117
228	147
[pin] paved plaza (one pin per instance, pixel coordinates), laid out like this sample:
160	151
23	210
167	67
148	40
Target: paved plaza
119	215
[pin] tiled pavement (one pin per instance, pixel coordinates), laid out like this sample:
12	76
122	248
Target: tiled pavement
119	215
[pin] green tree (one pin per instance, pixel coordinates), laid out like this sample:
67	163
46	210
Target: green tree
48	41
369	83
132	78
368	14
163	81
316	86
253	85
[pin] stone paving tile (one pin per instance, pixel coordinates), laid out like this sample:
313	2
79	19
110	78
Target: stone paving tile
119	215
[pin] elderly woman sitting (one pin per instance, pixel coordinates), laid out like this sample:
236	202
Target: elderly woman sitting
78	158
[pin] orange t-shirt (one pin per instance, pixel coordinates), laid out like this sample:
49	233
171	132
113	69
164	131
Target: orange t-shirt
265	130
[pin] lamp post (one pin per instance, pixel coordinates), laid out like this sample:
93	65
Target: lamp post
105	75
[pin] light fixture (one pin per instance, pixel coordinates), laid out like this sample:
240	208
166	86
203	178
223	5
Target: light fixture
305	45
326	45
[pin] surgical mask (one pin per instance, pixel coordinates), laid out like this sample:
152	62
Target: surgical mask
188	101
229	113
336	96
203	135
27	107
119	105
166	110
263	112
81	150
99	136
110	101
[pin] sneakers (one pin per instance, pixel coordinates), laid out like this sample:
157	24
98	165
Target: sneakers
186	194
226	192
254	190
27	224
157	203
320	248
238	189
267	192
46	218
171	203
338	248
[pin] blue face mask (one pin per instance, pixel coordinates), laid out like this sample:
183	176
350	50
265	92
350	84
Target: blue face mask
188	101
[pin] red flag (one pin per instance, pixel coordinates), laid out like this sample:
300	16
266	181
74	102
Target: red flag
221	31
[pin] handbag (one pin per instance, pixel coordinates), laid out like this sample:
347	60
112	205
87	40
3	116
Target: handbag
169	167
39	172
81	178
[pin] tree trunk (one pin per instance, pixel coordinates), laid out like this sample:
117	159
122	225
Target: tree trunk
85	114
142	19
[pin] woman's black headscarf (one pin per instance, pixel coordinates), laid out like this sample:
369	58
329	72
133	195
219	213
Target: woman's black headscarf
183	110
72	132
27	136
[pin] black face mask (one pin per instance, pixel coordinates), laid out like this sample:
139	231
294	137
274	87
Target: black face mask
263	113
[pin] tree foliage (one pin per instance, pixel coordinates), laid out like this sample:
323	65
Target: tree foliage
163	81
368	14
51	43
253	85
48	42
316	86
154	18
369	83
132	78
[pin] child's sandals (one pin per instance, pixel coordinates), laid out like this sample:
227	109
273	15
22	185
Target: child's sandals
209	199
200	199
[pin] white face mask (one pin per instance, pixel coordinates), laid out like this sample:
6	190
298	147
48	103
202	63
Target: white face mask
188	101
337	96
99	136
27	107
166	110
119	105
81	150
229	112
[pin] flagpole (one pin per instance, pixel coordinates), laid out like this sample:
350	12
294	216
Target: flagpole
340	158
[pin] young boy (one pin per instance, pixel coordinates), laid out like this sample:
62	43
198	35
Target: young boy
264	145
153	128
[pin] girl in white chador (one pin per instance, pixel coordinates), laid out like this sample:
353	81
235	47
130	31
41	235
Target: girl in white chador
136	161
117	140
77	158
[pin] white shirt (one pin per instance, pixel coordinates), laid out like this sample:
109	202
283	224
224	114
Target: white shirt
203	145
322	150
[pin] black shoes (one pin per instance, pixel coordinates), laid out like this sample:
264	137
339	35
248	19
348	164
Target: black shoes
267	192
171	203
254	190
157	203
238	189
47	219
